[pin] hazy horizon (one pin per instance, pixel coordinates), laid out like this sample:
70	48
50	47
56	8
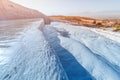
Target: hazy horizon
74	7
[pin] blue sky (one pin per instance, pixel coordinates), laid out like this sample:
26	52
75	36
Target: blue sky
64	7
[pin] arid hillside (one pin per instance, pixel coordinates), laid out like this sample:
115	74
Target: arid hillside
90	22
10	10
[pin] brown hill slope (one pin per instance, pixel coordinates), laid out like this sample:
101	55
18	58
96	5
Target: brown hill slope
10	10
114	24
90	22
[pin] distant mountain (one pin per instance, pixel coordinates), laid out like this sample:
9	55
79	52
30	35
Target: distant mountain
10	10
101	15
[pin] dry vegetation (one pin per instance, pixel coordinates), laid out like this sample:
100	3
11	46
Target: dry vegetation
90	22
